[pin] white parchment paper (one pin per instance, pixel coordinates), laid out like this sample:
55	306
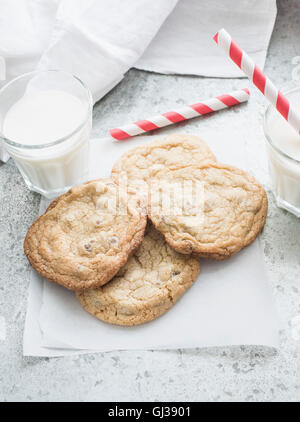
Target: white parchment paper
229	304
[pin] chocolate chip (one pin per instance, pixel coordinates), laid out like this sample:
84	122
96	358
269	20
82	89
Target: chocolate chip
114	240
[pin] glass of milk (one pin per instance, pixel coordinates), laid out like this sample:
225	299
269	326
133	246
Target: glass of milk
283	147
45	125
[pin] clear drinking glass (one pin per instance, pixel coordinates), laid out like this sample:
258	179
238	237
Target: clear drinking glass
52	167
284	168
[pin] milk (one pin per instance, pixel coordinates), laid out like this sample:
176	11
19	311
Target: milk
43	117
284	159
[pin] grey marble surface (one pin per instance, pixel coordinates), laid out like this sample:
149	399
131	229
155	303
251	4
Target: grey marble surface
224	374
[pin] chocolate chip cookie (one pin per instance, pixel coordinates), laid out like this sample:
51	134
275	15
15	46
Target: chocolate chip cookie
135	167
150	283
213	210
86	235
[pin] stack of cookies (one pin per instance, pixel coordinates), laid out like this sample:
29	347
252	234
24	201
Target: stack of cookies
130	246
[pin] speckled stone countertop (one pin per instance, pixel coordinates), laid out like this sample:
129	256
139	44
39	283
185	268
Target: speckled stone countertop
220	374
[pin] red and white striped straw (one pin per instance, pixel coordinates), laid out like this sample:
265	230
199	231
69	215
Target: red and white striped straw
259	79
184	113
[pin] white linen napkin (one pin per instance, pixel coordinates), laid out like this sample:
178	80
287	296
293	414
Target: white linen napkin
184	43
100	40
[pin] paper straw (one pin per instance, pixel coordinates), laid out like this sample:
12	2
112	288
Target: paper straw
259	79
179	115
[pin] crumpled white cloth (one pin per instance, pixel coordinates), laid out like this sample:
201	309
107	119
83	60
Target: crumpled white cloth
99	40
184	43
